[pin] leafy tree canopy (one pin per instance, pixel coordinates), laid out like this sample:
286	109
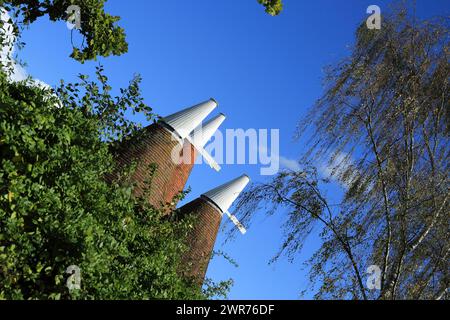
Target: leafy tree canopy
57	210
102	35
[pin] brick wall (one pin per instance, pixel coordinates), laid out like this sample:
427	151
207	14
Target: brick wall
202	238
181	172
155	146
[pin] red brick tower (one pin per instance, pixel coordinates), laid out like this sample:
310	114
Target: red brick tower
167	145
208	211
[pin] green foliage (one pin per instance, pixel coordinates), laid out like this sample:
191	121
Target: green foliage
95	100
57	210
102	35
273	7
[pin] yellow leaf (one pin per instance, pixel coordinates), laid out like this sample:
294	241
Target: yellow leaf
10	196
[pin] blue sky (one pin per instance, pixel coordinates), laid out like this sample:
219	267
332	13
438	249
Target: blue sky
264	71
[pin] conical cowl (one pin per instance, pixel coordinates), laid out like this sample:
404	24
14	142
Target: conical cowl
203	133
224	195
185	121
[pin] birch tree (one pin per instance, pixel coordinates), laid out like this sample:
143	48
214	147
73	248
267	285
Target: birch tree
382	126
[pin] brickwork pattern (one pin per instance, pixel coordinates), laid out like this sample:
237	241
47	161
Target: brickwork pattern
155	146
202	238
